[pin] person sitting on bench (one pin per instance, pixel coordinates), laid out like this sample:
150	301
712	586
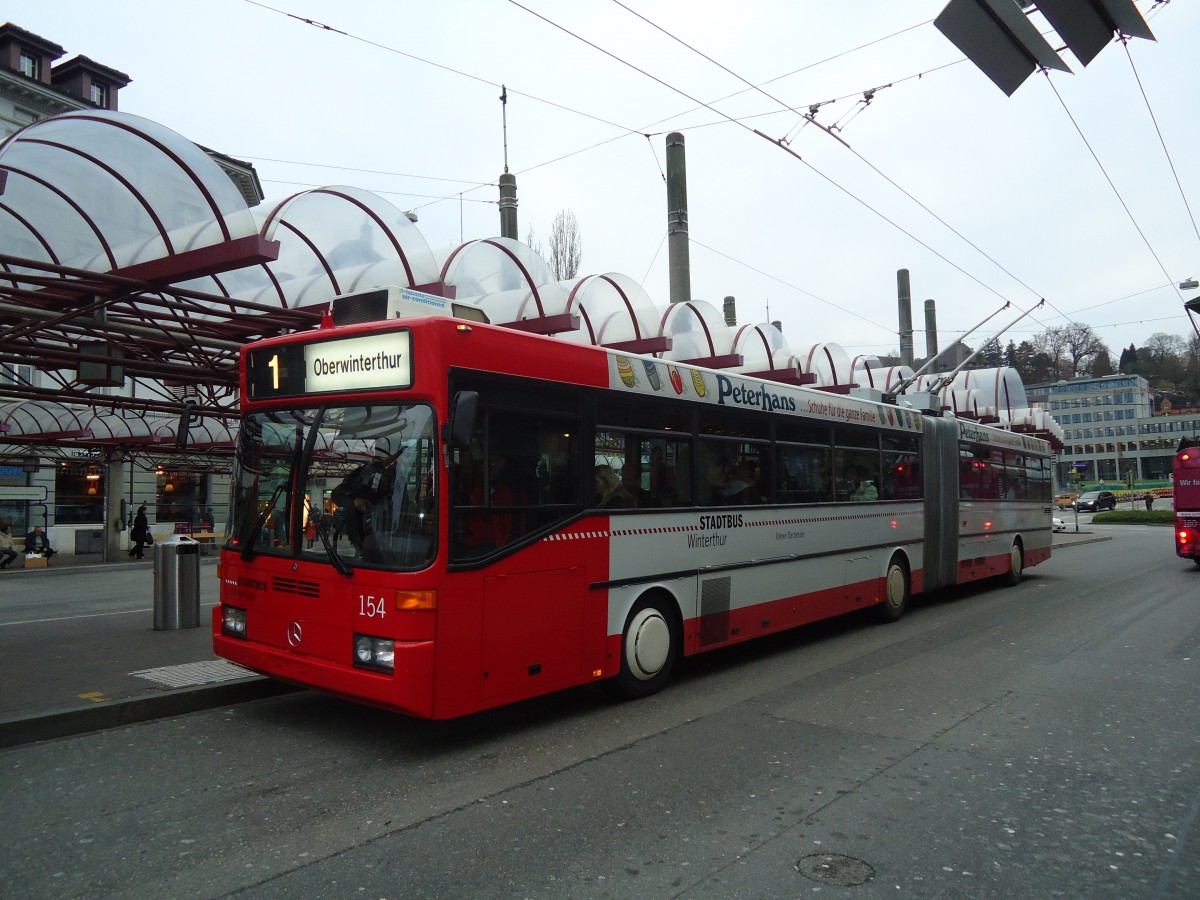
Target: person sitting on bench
37	542
7	553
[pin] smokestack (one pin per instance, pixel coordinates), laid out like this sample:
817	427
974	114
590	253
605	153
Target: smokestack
778	326
508	206
677	221
931	347
730	310
904	295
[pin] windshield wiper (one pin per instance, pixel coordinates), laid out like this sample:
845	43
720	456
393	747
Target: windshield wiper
340	564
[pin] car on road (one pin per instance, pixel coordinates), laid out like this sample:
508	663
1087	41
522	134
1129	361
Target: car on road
1059	524
1096	501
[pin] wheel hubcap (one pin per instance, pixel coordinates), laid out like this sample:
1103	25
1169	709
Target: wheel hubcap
895	587
649	644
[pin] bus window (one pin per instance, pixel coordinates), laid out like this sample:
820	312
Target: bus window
518	476
732	473
856	465
803	474
901	469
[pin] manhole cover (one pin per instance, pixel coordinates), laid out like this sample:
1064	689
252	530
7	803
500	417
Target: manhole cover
833	868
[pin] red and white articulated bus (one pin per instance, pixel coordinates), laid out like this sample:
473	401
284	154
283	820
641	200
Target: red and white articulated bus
1186	479
469	545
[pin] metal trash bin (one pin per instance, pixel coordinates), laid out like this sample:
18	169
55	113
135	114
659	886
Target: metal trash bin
176	583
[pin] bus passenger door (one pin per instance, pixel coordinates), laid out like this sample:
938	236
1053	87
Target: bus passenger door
533	632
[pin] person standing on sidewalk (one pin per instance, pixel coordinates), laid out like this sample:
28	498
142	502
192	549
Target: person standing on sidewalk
6	546
140	534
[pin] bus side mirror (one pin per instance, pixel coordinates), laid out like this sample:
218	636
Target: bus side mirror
463	413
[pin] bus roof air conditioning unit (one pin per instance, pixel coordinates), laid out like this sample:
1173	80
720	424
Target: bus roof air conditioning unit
923	401
395	302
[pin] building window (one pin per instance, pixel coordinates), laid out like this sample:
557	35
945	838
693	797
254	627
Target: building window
15	374
78	493
30	66
99	95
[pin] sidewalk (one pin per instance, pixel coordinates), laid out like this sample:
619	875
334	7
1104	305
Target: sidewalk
79	653
69	667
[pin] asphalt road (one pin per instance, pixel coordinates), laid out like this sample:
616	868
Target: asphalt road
1035	741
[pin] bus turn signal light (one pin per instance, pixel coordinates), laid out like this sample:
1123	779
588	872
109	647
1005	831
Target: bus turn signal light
412	601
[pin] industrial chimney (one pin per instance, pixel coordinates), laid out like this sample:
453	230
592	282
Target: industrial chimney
677	221
904	295
931	347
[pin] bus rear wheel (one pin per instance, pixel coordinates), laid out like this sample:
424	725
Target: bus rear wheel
649	646
896	590
1016	565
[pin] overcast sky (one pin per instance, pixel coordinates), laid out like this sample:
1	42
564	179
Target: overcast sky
405	101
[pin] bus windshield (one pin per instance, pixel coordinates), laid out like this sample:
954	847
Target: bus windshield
347	484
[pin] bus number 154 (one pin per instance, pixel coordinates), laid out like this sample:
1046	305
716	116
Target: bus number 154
371	606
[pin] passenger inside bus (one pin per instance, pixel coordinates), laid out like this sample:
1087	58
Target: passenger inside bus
730	483
363	500
481	529
610	492
864	488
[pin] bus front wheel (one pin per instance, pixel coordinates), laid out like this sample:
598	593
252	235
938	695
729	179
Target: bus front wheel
1016	564
897	590
649	646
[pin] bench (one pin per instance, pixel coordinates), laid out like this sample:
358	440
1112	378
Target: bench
209	540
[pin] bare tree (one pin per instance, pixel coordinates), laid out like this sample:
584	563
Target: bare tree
534	244
566	245
1167	354
1163	346
1083	347
1073	348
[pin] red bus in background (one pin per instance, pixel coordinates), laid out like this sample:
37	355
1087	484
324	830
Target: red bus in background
472	546
1187	500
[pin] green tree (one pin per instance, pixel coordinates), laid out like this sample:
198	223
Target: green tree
1102	365
1129	358
990	355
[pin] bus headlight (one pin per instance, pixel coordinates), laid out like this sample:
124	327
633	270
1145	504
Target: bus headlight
374	653
233	622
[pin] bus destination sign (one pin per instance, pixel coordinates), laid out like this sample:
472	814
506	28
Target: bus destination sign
365	363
